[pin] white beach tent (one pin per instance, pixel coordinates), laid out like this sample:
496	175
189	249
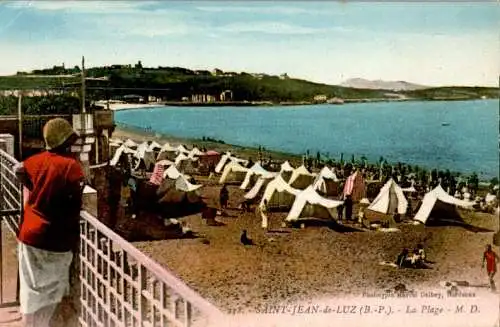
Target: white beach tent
233	173
253	175
355	186
122	150
258	187
195	152
182	184
154	146
167	151
389	199
326	172
144	156
172	173
286	166
178	189
279	194
309	204
182	149
301	178
130	144
438	205
181	157
222	162
327	182
168	148
239	160
286	170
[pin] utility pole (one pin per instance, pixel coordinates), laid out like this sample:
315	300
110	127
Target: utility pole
82	122
83	84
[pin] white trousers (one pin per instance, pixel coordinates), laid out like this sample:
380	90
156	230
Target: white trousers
43	278
40	318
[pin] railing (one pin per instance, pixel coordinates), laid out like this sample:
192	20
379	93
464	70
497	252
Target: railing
11	199
11	192
118	284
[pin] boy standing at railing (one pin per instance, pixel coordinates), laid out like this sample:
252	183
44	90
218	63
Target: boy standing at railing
49	229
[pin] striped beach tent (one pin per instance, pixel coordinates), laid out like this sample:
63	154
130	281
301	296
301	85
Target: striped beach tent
355	186
157	176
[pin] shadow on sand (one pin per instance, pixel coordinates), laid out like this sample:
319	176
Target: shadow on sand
462	224
331	224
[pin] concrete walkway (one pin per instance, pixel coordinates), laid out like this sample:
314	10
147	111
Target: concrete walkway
9	316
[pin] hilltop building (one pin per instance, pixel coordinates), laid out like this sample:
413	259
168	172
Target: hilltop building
284	76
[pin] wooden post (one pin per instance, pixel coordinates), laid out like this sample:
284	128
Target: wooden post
20	125
83	84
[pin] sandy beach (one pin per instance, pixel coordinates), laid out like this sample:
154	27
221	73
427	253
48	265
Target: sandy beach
126	106
302	264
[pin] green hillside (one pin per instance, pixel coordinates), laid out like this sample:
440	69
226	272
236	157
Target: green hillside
174	83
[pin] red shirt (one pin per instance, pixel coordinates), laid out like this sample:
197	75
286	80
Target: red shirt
51	214
490	258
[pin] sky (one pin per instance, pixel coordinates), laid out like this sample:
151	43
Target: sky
328	42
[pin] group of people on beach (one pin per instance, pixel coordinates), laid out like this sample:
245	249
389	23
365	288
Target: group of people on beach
414	259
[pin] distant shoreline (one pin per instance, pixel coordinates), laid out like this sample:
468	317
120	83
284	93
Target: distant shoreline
132	106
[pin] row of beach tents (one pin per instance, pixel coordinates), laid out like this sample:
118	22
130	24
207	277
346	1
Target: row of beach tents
173	184
302	193
145	155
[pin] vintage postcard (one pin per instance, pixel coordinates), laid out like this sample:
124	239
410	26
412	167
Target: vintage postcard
249	163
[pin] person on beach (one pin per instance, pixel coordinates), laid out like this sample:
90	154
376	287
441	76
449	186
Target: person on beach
49	229
361	215
340	211
409	209
422	256
396	217
263	214
132	185
402	259
490	258
348	207
244	239
223	197
245	205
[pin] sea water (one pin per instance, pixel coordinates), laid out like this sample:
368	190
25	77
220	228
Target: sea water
456	135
